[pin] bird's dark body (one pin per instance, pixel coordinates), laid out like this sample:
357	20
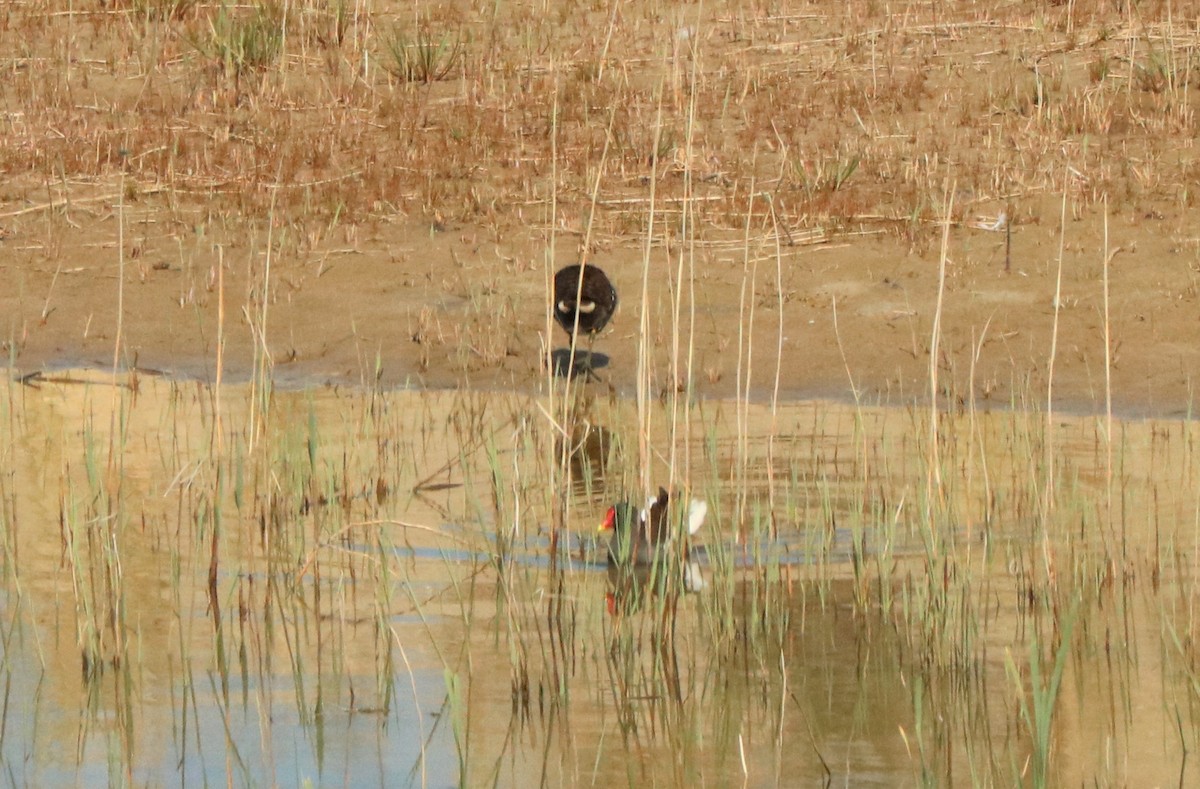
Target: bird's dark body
644	556
594	303
638	537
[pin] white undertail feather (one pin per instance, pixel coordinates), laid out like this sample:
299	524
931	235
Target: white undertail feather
697	512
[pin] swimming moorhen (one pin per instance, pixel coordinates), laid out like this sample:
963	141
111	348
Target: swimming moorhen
591	302
647	544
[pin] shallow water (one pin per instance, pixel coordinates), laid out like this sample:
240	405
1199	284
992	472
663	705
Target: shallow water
347	587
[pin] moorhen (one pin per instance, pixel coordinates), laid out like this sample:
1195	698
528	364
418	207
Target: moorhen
645	543
590	302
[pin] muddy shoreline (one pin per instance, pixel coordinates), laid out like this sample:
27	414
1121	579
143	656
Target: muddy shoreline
409	306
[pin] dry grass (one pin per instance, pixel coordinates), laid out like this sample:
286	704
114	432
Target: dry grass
858	117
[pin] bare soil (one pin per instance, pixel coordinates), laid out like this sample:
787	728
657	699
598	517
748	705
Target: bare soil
788	168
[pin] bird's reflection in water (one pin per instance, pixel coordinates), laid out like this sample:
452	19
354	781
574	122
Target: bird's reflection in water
592	453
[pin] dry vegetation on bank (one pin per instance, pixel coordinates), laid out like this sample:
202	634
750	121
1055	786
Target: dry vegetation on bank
844	116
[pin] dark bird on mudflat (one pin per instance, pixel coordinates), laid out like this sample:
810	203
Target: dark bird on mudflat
592	303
